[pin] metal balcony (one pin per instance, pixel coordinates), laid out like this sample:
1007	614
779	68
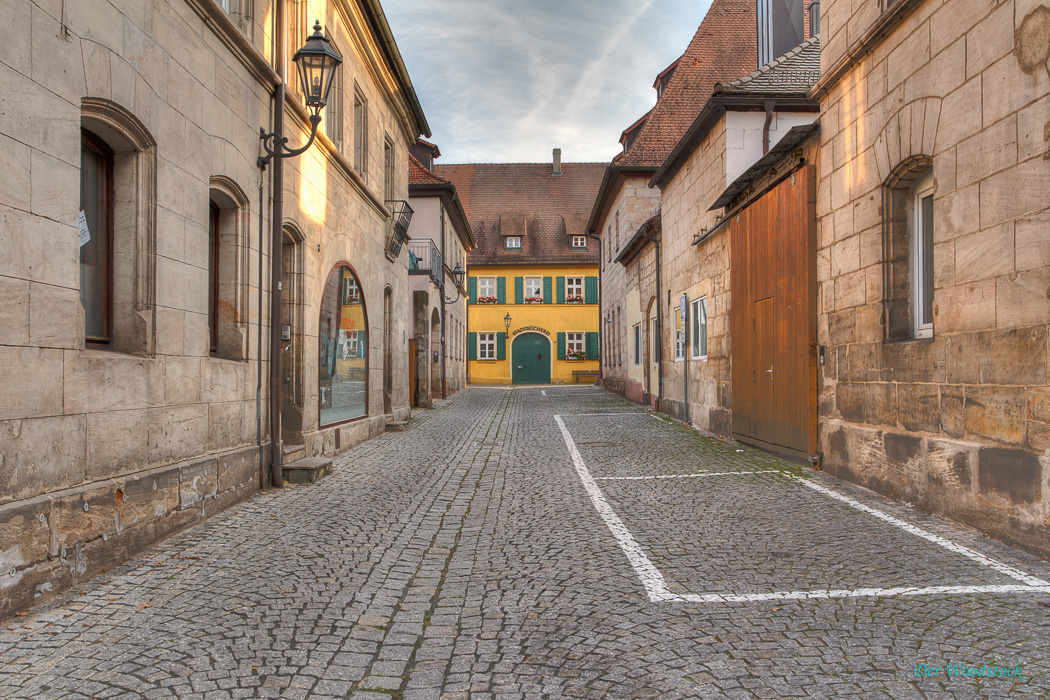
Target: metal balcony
401	215
424	258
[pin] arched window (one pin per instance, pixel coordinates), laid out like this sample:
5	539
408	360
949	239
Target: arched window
342	349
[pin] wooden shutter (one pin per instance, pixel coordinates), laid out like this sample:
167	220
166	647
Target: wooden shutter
560	299
519	290
592	346
590	290
501	290
501	346
561	346
547	291
472	346
472	289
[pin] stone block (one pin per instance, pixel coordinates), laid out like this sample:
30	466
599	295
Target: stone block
953	410
117	442
26	536
148	496
1032	240
987	152
55	188
1023	299
239	470
1009	475
170	332
85	515
99	380
177	432
958	213
224	425
990	40
916	361
182	380
56	62
841	327
1039	403
223	380
985	254
869	322
943	264
1033	132
874	403
14	186
14	311
965	307
51	323
1006	89
860	362
905	466
1018	191
15	42
995	413
1039	435
850	290
951	466
961	358
919	407
198	482
1013	356
41	454
845	256
32	382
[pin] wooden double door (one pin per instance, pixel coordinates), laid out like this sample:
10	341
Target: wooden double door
773	318
531	359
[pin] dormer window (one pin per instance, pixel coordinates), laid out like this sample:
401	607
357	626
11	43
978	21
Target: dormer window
579	241
512	243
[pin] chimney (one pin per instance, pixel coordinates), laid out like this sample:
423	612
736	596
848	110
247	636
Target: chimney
557	161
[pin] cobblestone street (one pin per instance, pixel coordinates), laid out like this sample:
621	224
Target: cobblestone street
549	542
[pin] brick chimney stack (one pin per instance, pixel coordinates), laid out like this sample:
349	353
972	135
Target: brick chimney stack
557	161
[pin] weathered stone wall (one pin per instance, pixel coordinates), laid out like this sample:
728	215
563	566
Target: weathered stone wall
957	424
697	271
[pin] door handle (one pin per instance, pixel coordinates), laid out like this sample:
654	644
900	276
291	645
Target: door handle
521	366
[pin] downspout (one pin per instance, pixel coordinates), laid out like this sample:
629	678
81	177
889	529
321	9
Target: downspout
276	474
659	321
768	105
686	354
441	292
258	359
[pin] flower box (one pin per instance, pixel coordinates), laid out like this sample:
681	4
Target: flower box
576	355
533	300
574	300
487	300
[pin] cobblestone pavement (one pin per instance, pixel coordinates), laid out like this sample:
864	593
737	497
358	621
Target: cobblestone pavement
495	551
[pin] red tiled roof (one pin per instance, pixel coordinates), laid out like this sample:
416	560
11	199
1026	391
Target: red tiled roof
527	200
419	175
724	48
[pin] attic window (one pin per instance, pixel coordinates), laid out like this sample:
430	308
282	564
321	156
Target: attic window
579	241
512	243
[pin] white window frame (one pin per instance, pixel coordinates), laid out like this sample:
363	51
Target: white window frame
923	189
535	284
679	335
484	282
637	344
512	243
575	340
579	241
573	287
699	328
224	5
487	346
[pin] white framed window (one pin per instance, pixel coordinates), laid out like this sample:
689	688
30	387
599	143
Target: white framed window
224	4
637	331
533	288
699	328
922	257
486	287
486	346
360	133
654	340
679	334
573	289
575	343
512	243
579	241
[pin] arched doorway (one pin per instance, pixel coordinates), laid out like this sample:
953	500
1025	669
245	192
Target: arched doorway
531	359
342	349
435	354
388	356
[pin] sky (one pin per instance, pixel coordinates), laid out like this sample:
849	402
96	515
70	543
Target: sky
504	81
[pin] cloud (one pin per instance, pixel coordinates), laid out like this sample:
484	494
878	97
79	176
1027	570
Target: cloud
507	82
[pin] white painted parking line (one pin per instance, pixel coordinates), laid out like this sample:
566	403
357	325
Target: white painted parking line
655	584
929	536
682	476
650	576
621	413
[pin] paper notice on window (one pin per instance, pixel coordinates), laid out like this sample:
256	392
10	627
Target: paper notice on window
85	235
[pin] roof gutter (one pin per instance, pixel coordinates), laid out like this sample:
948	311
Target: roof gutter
394	54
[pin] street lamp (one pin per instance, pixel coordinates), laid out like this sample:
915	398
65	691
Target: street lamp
506	321
316	63
457	279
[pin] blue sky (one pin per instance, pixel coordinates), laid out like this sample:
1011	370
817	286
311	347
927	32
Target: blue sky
504	81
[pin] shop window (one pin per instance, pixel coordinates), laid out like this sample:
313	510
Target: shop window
343	349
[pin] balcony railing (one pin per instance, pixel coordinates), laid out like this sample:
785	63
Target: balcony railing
401	215
424	258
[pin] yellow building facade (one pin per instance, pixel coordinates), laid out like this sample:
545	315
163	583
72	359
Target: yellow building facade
532	324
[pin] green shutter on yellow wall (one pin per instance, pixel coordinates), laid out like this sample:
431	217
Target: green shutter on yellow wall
590	290
592	346
472	289
501	290
561	346
547	292
501	346
519	290
560	299
472	346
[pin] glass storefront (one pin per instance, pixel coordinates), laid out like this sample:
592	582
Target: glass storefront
343	349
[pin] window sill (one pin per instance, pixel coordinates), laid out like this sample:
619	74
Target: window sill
909	340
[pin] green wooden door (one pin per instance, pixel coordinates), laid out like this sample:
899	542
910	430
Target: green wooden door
531	359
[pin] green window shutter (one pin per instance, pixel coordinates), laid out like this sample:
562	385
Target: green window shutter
547	293
501	290
560	299
472	289
362	344
561	346
590	290
519	290
592	346
472	346
501	346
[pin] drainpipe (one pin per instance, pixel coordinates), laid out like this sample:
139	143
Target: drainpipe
769	105
659	320
276	475
686	354
441	293
258	359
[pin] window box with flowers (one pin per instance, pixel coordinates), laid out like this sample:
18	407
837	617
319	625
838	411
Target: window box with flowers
574	299
533	300
488	300
576	355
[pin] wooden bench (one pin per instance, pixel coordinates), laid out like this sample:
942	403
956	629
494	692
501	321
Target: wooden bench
587	373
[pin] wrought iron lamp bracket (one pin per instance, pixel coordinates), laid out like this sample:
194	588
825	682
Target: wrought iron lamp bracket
277	146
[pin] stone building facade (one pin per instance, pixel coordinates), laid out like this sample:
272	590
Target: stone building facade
934	257
133	354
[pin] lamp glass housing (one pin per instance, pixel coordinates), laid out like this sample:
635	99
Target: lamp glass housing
316	63
457	275
506	321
